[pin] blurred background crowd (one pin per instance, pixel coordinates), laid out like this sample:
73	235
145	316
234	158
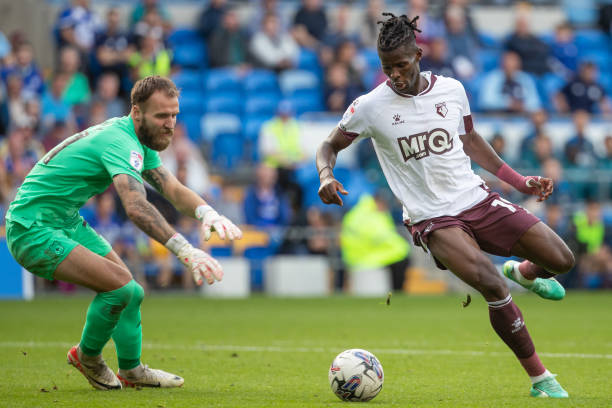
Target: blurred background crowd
263	81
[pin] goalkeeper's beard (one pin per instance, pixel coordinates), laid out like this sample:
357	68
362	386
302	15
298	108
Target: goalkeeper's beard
154	138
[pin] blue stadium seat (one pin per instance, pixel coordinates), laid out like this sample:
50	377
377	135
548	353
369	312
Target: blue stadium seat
489	41
190	102
224	103
192	124
370	56
213	124
548	85
306	101
260	80
601	59
295	79
591	40
262	104
489	59
183	35
252	126
190	55
309	61
222	80
188	79
227	150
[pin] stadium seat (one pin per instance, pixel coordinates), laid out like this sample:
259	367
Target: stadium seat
183	35
309	61
592	40
222	80
188	80
262	104
223	103
260	80
489	59
292	80
191	102
548	85
192	123
489	41
370	56
252	126
227	150
190	55
213	124
306	101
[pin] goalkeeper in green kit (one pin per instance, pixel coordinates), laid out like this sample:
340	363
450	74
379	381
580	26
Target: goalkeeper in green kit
48	237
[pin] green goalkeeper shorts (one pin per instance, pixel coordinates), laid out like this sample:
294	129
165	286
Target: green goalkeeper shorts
41	248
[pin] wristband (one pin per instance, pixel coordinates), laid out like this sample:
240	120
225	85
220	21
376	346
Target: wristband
175	243
201	210
507	174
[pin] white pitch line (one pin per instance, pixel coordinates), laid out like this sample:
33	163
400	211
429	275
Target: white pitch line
280	349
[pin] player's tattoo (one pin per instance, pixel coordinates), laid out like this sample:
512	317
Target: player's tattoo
156	177
141	212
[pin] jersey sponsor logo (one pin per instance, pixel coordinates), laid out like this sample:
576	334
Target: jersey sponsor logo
441	109
436	141
136	160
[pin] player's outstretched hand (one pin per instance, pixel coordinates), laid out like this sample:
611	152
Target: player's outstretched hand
540	186
201	264
212	221
328	192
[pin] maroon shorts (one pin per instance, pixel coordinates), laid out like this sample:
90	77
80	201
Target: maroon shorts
494	223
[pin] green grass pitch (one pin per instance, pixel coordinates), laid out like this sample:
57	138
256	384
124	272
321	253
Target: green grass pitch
270	352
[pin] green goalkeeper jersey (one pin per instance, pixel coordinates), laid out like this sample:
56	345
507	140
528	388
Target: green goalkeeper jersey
78	168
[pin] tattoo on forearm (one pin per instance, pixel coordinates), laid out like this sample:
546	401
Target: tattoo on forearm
141	212
156	177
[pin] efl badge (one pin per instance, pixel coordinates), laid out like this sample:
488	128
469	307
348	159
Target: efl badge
441	109
136	160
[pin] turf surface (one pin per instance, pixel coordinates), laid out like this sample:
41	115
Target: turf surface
266	352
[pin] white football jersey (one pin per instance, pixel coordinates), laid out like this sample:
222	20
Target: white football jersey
416	139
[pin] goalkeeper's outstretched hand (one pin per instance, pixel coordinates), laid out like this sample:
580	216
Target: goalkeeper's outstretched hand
212	221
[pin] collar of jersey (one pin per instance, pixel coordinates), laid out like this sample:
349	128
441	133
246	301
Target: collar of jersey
431	78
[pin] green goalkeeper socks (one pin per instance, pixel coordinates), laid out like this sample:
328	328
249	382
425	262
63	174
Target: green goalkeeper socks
102	317
128	333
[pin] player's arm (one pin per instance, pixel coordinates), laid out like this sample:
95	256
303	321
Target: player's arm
188	202
479	150
149	219
326	160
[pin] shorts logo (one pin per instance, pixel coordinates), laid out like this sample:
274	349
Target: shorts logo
55	249
441	109
136	160
418	146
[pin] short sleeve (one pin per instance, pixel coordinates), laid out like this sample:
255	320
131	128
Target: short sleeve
123	158
465	125
354	122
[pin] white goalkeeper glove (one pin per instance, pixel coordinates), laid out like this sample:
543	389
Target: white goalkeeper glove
211	220
201	264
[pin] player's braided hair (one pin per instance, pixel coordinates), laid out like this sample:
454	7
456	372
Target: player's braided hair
396	31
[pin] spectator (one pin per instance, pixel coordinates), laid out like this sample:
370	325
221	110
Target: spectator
147	6
555	218
280	146
430	26
26	68
113	46
151	59
107	93
369	27
564	48
437	60
606	161
583	92
53	107
5	47
509	89
369	240
19	153
339	91
539	119
341	31
211	18
540	150
77	90
77	25
579	151
347	54
56	134
310	24
498	143
228	44
150	25
261	8
533	52
16	103
552	169
463	47
271	48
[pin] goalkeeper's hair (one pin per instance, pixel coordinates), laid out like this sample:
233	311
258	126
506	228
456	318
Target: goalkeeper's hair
397	31
147	86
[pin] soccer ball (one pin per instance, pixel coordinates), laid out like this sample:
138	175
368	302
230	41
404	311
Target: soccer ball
356	375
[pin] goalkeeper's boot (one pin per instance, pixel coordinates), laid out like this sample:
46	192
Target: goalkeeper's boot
143	376
546	288
99	375
548	387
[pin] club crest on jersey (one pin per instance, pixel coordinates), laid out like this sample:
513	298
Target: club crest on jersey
441	109
436	141
136	160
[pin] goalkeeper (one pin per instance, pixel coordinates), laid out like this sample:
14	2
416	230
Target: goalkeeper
48	237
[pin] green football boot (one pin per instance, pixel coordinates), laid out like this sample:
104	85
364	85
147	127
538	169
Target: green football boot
546	288
548	388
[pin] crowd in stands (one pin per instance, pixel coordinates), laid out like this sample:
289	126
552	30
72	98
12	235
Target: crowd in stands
244	82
